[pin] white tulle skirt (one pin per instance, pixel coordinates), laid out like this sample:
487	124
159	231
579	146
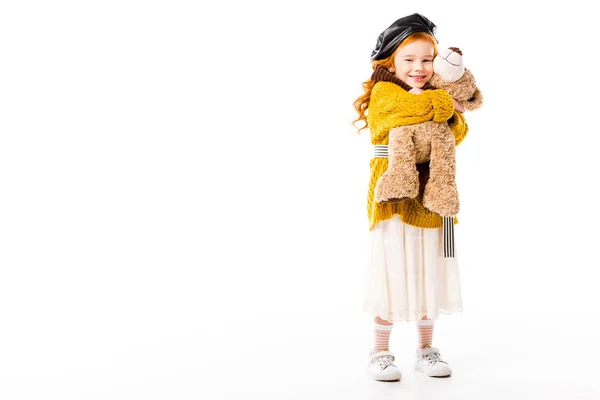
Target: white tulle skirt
407	276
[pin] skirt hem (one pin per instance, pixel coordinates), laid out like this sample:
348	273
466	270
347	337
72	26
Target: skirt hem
412	317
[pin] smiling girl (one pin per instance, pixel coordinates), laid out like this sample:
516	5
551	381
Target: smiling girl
407	279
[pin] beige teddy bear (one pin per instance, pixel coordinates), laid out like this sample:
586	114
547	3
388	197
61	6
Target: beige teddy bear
430	141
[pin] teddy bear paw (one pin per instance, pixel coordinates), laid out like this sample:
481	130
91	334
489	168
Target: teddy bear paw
441	199
392	188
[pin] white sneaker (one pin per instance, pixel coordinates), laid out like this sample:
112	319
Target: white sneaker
430	363
381	367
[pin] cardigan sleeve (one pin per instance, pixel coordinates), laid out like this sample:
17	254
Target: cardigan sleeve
391	106
443	105
458	126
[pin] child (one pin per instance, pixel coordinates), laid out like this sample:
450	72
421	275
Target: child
408	279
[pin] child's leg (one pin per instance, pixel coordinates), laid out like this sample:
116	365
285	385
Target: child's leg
383	329
381	365
428	358
425	330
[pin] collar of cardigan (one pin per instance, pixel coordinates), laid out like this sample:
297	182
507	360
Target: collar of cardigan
381	73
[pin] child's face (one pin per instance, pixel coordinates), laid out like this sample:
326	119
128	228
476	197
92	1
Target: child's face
413	63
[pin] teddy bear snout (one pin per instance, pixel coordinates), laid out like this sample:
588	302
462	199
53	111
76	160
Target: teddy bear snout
453	57
448	64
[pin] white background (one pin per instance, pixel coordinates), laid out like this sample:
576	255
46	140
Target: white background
182	201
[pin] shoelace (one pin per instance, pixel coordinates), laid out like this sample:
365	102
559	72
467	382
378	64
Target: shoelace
433	358
385	361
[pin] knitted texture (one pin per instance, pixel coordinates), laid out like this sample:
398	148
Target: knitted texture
391	106
464	90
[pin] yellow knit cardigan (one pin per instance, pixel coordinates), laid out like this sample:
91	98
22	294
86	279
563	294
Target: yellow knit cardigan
391	106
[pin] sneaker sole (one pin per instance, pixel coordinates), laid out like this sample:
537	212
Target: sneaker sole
388	380
392	378
431	375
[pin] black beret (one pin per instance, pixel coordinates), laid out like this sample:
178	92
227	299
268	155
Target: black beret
389	39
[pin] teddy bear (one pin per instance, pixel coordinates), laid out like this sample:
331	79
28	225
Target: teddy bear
430	141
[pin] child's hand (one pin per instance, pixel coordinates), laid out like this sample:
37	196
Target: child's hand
458	107
415	91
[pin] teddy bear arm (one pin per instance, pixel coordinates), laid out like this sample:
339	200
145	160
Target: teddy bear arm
474	102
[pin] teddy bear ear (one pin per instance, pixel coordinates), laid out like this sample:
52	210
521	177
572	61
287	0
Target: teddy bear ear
474	102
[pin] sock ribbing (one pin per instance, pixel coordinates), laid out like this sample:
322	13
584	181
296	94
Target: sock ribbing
382	337
425	331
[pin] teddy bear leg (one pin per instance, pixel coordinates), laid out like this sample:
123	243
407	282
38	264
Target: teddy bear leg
441	195
401	179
